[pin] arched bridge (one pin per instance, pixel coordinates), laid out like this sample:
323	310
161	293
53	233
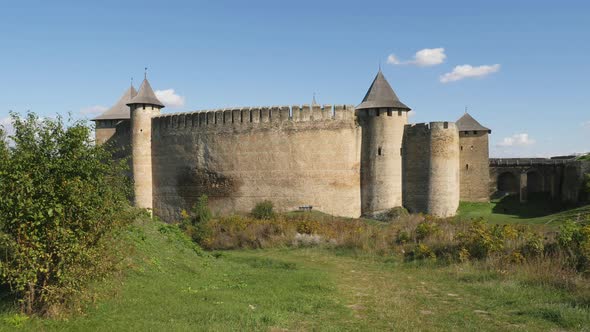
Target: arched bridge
562	178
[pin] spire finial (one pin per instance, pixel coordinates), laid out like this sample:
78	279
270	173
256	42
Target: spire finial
131	81
379	65
145	73
465	109
313	102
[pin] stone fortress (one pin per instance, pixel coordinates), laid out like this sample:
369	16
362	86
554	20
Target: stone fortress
342	160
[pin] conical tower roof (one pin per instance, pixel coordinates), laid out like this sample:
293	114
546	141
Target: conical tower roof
381	95
120	110
146	95
468	123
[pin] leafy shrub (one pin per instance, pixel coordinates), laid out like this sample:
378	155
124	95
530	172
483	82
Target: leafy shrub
425	229
61	202
195	223
480	240
263	210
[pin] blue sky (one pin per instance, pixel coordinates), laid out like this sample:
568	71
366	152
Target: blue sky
79	56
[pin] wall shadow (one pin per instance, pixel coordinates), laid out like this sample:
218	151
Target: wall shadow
537	205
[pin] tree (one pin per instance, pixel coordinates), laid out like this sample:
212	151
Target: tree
61	201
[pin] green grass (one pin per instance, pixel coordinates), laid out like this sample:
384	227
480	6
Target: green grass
538	210
170	285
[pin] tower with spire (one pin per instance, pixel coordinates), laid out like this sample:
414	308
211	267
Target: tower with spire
143	107
112	125
382	117
474	159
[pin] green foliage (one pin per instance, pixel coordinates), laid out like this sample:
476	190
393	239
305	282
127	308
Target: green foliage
574	238
480	240
263	210
60	201
426	229
195	224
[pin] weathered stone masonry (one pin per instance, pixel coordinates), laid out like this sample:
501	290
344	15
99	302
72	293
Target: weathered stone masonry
341	160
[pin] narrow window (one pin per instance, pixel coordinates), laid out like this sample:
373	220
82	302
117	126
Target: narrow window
461	147
388	112
446	125
399	113
379	151
251	118
475	132
467	167
377	112
143	106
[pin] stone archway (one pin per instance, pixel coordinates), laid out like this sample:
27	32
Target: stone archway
508	183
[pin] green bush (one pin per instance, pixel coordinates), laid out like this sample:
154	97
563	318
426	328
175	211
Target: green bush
195	224
263	210
574	239
61	201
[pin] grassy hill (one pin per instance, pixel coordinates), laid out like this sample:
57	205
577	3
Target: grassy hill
169	284
538	210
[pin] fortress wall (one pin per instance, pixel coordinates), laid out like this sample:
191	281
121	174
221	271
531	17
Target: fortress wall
444	187
293	156
415	167
474	165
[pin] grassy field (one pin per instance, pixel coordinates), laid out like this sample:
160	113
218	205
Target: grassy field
538	211
169	285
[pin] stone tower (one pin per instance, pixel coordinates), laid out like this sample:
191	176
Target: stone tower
474	152
382	117
443	186
143	107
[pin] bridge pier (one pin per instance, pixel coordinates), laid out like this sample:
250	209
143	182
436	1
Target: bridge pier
523	187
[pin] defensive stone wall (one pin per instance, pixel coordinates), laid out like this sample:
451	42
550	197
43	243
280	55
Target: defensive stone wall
415	165
475	169
431	181
290	155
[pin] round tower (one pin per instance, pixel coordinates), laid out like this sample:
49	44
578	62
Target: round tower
382	117
444	183
142	107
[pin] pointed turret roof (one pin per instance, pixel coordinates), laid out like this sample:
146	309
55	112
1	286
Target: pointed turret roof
468	123
146	95
120	110
381	95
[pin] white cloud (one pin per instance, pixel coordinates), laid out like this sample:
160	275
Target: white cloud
93	110
170	98
522	139
6	125
586	124
468	71
423	58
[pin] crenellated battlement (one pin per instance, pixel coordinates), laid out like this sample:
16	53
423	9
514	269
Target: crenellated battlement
250	117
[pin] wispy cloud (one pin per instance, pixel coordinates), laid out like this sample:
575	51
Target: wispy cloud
170	98
93	110
586	124
423	58
522	139
468	71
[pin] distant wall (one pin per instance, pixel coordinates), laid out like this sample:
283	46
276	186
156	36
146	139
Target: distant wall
475	166
292	156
